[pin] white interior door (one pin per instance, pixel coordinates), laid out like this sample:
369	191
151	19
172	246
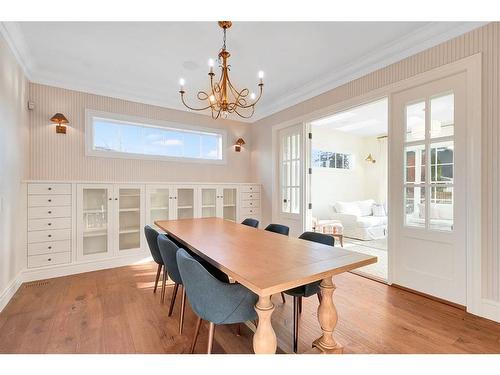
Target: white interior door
427	178
290	168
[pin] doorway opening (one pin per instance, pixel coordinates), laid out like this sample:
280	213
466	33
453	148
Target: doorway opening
349	180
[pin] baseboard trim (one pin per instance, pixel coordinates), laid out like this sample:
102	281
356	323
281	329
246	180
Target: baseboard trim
11	289
490	309
76	268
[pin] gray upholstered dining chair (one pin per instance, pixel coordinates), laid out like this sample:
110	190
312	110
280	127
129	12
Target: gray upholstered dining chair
308	289
168	250
212	300
152	239
280	229
251	222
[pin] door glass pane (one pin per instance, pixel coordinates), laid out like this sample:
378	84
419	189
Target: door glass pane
208	202
415	122
441	210
415	164
158	200
95	221
415	206
442	162
442	116
129	219
229	209
185	203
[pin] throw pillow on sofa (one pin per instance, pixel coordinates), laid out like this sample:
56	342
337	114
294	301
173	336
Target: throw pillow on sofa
378	210
366	207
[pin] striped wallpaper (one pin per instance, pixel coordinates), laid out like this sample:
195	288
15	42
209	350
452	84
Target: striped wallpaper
485	40
62	157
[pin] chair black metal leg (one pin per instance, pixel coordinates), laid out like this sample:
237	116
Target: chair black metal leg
319	296
183	307
158	271
295	322
195	337
172	301
163	284
211	332
283	297
300	305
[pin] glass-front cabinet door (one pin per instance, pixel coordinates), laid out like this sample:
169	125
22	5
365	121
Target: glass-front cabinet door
129	206
208	201
185	202
229	199
158	204
94	210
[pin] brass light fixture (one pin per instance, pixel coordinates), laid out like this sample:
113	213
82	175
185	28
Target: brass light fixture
223	98
370	159
61	122
237	146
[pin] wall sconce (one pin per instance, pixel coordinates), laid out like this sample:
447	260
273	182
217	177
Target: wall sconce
370	159
61	122
237	146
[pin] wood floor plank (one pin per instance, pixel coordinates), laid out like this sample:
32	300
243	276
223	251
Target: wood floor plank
116	311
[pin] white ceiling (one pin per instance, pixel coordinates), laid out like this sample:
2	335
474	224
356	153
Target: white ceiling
143	61
368	120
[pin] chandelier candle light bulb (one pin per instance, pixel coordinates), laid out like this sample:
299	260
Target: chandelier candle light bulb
222	98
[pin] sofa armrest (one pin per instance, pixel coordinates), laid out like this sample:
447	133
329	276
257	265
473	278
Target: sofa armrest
347	220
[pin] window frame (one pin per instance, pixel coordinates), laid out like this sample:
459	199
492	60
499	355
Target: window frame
90	115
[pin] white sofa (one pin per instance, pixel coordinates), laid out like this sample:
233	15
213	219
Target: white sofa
359	220
441	216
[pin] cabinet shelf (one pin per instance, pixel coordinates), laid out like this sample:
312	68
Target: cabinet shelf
230	205
208	206
159	208
130	230
94	211
184	207
95	233
137	209
129	195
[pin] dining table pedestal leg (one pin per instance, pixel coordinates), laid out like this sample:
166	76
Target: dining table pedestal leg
327	317
264	339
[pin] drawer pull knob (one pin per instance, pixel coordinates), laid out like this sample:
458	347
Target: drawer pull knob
49	224
50	188
110	198
50	247
49	235
50	200
50	212
49	259
116	199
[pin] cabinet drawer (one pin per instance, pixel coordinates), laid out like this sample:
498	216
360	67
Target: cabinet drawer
49	247
52	223
249	212
252	203
55	189
250	188
250	196
49	235
48	212
48	260
49	200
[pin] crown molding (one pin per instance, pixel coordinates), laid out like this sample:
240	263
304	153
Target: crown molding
423	38
15	40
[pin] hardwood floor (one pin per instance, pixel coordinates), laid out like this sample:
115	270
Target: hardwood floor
115	311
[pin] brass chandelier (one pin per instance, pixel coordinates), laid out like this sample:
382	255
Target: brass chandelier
223	98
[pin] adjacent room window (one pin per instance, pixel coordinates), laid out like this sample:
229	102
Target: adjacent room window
113	136
328	159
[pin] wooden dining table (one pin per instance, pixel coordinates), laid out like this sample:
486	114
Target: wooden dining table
268	263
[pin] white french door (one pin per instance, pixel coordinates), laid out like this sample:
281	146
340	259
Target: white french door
290	167
427	179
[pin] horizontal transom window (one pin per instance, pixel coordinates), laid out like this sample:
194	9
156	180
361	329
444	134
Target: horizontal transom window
112	135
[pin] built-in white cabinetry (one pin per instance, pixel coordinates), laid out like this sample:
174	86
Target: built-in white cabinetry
110	219
49	224
102	223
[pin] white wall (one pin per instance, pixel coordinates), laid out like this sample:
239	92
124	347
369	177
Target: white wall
364	181
484	40
13	168
62	157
